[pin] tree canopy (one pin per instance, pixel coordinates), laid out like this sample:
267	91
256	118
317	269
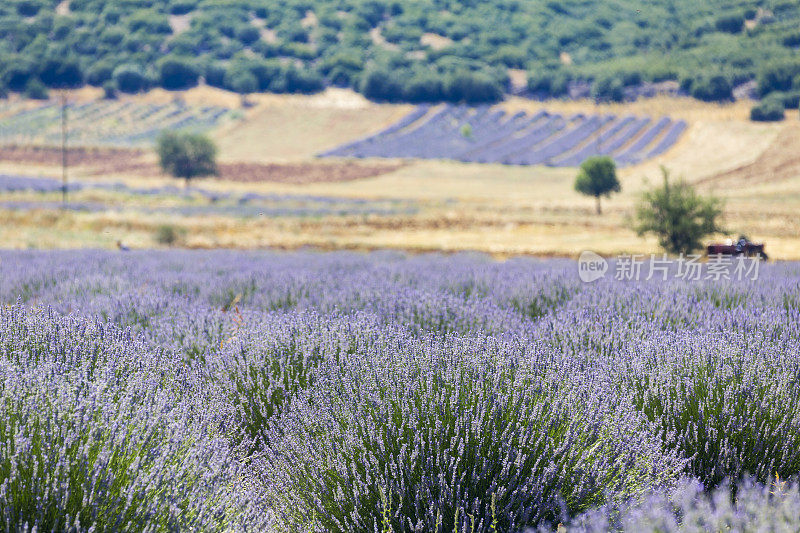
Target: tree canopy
677	215
597	177
186	155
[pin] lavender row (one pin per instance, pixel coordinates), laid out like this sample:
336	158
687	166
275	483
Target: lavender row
635	152
488	135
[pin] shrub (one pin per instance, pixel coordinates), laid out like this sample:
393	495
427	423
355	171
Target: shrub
712	88
733	23
770	109
750	506
182	7
727	418
472	88
94	444
100	73
241	80
130	78
677	215
169	235
777	76
424	87
18	73
608	89
432	439
110	90
294	80
61	73
549	83
379	84
36	90
248	34
178	73
214	75
28	8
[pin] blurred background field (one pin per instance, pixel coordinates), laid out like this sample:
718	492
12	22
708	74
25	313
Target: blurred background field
273	190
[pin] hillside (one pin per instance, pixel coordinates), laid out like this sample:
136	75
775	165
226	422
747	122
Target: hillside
427	50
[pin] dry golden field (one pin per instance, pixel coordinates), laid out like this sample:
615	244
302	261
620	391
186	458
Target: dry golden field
432	205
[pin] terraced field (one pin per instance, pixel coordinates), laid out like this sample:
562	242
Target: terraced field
491	135
103	123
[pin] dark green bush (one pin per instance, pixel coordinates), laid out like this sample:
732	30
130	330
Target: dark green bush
714	88
472	88
29	8
379	84
109	90
608	89
777	76
178	73
424	87
100	73
215	75
770	109
732	23
61	73
241	81
248	34
130	78
182	7
36	90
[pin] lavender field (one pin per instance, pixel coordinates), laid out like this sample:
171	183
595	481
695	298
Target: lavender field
490	135
104	123
227	391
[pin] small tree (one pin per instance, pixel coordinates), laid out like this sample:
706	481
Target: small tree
597	177
677	215
187	155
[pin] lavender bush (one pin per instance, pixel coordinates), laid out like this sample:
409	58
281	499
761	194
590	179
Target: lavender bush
232	391
96	435
453	436
688	508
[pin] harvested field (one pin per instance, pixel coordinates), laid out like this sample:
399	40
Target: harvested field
781	161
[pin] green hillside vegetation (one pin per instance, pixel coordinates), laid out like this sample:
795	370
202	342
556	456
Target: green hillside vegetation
384	48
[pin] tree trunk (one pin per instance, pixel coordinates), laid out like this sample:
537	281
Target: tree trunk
187	183
599	211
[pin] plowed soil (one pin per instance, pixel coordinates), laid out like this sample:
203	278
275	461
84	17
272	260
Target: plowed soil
103	161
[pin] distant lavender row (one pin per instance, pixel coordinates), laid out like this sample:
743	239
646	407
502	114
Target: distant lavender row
221	203
106	123
489	135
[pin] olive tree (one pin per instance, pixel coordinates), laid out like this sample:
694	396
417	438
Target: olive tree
597	177
677	215
187	155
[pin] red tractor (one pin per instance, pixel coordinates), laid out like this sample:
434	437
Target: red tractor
743	246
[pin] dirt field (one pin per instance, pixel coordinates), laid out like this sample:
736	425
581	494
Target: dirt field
108	162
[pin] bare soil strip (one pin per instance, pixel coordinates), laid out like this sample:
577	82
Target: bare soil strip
112	161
